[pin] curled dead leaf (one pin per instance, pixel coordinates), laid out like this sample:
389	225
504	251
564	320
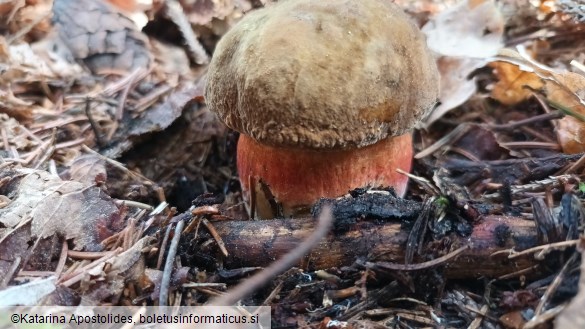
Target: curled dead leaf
514	84
519	76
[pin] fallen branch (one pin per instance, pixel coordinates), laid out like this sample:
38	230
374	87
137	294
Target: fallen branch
260	243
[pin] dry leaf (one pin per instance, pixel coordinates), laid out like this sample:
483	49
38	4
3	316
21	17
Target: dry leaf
470	29
70	209
28	294
456	85
567	90
87	169
518	73
514	84
464	36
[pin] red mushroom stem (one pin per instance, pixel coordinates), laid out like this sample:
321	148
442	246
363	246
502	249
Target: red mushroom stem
297	178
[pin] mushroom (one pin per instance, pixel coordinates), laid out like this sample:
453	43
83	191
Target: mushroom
324	94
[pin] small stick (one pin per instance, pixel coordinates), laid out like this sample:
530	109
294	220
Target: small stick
419	266
554	285
73	278
163	246
216	236
532	145
62	258
545	248
166	278
10	272
537	118
448	139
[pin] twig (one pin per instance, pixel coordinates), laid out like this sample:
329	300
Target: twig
575	166
463	152
273	294
243	289
554	285
5	142
518	273
70	279
204	285
423	182
135	76
532	145
536	134
10	272
544	248
151	98
216	236
450	138
134	204
544	317
479	315
62	258
537	118
419	266
163	247
166	278
46	150
35	273
120	166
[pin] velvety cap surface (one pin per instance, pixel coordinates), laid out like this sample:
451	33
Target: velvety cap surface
323	74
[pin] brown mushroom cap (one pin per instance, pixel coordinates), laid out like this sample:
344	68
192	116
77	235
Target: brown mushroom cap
323	74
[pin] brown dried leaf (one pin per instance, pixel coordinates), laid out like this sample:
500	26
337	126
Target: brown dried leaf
70	209
514	84
518	72
87	168
568	90
571	135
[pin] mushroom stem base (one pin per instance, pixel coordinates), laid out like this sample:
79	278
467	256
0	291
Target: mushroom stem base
287	181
